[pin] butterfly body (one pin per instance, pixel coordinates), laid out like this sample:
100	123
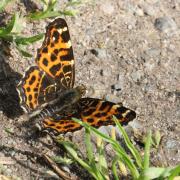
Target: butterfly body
64	100
47	94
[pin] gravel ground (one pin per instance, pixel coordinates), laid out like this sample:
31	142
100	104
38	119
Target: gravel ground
125	51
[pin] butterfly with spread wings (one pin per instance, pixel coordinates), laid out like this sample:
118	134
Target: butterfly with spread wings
46	90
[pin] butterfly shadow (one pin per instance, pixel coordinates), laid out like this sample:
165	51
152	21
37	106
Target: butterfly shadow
9	100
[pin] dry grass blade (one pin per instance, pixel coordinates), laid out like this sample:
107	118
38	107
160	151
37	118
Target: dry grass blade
60	173
2	177
6	161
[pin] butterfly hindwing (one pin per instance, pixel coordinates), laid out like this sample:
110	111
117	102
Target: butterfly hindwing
95	112
35	89
55	57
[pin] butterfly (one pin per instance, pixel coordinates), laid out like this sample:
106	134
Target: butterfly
47	90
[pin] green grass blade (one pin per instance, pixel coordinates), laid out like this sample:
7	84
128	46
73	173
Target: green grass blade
62	160
28	40
147	151
23	52
114	168
91	156
89	147
5	31
102	164
74	3
156	172
174	172
45	14
146	157
74	155
130	146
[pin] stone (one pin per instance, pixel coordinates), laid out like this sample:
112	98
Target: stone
139	11
137	75
100	53
107	7
165	24
148	9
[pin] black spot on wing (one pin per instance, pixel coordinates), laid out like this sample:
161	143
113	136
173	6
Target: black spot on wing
90	120
119	116
56	36
45	50
69	56
122	109
67	68
105	104
65	36
30	97
28	89
131	115
45	62
33	79
53	57
59	23
88	112
56	51
55	68
69	126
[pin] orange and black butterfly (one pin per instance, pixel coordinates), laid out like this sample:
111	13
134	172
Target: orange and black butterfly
46	90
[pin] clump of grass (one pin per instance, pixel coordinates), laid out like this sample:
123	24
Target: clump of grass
50	10
12	33
133	164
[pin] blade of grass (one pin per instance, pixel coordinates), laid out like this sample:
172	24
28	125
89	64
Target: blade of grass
91	157
23	52
143	175
74	3
102	164
89	147
28	40
174	172
62	160
130	146
74	155
147	151
9	27
114	168
157	172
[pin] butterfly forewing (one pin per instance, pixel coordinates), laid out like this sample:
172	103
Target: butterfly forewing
55	57
55	70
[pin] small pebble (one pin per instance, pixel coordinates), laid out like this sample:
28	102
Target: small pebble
148	9
139	12
137	75
170	144
107	8
165	24
100	53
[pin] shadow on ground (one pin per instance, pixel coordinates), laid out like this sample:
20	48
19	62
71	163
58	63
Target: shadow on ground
9	100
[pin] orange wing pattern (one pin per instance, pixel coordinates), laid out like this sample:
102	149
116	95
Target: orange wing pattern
95	112
47	94
55	57
55	70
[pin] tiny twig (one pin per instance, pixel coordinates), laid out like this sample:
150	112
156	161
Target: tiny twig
56	168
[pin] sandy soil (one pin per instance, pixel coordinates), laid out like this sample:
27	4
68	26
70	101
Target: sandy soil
125	51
